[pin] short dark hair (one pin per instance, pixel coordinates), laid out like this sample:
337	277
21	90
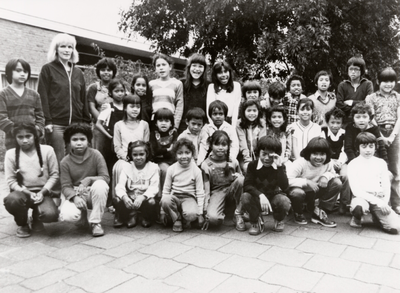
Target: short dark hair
269	143
162	56
356	61
317	144
184	142
362	108
249	86
12	64
139	143
75	128
164	113
196	113
277	108
387	74
292	78
335	112
323	73
218	104
365	137
104	63
306	102
277	90
131	99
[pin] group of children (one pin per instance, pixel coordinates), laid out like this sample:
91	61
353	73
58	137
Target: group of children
264	155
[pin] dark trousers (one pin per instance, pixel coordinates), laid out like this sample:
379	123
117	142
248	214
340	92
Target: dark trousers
18	203
147	209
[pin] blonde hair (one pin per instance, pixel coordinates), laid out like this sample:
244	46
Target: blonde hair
57	41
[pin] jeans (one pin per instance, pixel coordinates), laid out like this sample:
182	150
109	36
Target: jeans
56	140
280	204
18	203
327	197
180	206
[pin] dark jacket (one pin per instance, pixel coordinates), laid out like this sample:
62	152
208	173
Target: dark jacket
63	101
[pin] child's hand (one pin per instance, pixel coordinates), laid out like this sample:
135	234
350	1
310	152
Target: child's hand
105	106
86	182
337	165
49	128
323	182
387	141
138	201
385	208
277	159
348	102
128	202
314	186
80	203
200	219
265	204
39	198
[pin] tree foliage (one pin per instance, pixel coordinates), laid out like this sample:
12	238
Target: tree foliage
310	35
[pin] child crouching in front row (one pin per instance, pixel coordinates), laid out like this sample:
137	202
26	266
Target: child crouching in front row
183	193
263	187
370	184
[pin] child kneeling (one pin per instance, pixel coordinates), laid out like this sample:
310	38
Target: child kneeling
370	184
263	187
183	192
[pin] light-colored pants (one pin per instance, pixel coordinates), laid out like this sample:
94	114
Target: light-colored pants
96	200
180	206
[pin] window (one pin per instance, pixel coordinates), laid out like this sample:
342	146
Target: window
32	82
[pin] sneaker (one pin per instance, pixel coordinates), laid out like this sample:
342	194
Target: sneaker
97	230
240	225
177	227
37	226
355	223
254	229
300	219
322	219
279	226
23	231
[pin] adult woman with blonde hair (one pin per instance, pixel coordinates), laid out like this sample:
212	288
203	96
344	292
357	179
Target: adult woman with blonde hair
62	91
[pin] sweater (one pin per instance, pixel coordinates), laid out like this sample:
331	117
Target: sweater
265	180
124	134
321	108
302	170
76	168
13	108
168	94
368	178
232	100
162	143
63	96
134	182
185	181
248	139
301	136
30	170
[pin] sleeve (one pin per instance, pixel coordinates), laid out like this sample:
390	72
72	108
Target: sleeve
102	171
249	180
178	104
85	112
43	89
9	170
52	166
168	182
330	172
234	151
210	98
294	174
91	93
288	149
385	181
381	149
199	190
105	115
369	101
243	148
67	186
203	146
154	186
146	133
117	141
348	144
207	185
5	123
341	98
120	189
283	181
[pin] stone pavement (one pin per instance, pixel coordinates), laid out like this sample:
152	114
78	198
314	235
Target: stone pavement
306	258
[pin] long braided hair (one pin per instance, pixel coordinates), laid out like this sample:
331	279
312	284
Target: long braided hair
28	127
218	137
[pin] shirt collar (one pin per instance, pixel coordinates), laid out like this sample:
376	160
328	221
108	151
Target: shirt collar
260	165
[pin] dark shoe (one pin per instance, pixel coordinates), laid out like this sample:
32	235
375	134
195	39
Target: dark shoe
240	225
322	219
37	226
246	217
355	223
342	209
97	230
146	223
254	229
177	227
117	222
392	231
163	220
300	219
132	222
279	226
23	231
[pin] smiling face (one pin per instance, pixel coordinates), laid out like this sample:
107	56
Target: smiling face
64	51
19	75
140	87
295	88
163	68
139	156
317	159
79	143
196	70
25	140
386	86
105	74
335	124
305	113
220	149
132	111
323	83
361	120
252	95
367	150
223	76
184	156
277	119
251	113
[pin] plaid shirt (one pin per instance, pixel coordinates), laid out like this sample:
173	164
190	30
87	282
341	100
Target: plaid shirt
290	104
384	108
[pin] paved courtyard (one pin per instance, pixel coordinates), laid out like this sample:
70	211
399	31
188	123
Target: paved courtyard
306	258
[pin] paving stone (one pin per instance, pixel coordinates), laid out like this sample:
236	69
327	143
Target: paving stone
5	262
141	285
68	239
123	249
152	238
245	267
154	268
207	241
75	253
14	289
244	248
285	256
287	290
237	284
181	237
379	275
289	227
281	240
90	262
367	256
321	247
35	266
353	240
27	252
59	287
202	258
388	290
396	262
333	284
379	234
3	235
195	279
126	260
241	236
165	249
387	246
332	266
7	279
294	278
316	234
47	279
108	241
99	279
